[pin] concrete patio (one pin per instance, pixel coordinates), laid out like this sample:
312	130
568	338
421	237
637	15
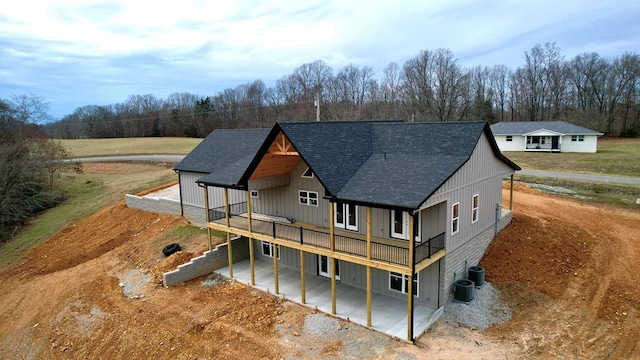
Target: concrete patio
388	314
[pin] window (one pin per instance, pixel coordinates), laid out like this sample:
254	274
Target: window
455	217
474	208
308	173
577	137
580	137
345	216
509	138
308	197
400	282
267	249
399	224
254	194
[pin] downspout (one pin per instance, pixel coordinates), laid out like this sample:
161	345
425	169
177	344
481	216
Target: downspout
180	189
413	272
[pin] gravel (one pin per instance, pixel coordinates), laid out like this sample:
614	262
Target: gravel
485	310
349	341
553	189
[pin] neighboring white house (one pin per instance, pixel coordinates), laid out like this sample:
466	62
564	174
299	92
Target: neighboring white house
545	136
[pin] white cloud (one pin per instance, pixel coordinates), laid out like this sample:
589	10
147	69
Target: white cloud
105	50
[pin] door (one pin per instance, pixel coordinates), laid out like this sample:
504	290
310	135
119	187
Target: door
554	143
346	216
324	267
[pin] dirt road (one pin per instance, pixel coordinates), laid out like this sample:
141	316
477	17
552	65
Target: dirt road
567	269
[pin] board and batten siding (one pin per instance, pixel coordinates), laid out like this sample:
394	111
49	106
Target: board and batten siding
355	275
193	195
284	201
482	174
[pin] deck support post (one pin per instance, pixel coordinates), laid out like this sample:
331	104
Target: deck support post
411	263
511	194
275	268
368	267
207	216
303	291
228	223
333	284
250	228
332	235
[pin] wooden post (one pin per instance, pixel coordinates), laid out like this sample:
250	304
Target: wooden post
250	224
333	285
228	222
332	235
207	217
369	267
303	290
410	280
511	194
275	268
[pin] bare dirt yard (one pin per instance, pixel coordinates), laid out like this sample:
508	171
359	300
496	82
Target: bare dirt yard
567	268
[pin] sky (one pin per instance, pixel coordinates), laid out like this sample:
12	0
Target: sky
82	52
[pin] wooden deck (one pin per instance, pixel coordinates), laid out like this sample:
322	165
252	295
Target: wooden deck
392	255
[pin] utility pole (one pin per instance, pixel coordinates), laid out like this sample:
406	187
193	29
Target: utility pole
317	104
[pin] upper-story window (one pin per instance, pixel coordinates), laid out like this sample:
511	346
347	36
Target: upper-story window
254	194
455	218
308	197
474	208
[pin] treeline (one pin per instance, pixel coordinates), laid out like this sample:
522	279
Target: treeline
589	90
29	163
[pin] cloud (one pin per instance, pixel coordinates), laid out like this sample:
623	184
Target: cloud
77	52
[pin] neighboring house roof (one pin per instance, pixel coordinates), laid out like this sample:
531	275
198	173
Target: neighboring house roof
525	127
223	148
392	164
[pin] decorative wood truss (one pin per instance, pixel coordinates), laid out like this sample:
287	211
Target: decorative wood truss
279	160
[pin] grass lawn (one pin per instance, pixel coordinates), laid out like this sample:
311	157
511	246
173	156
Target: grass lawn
100	185
614	157
131	146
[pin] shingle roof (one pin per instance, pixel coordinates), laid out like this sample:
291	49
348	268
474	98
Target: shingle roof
520	128
409	162
391	164
225	152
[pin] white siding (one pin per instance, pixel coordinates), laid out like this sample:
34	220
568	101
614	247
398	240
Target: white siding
517	144
589	145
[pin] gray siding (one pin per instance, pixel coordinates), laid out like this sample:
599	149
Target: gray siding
481	175
283	200
356	275
193	195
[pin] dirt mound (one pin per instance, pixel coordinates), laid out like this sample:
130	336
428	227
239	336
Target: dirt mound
543	253
94	236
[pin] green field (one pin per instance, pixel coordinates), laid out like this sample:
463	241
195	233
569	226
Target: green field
131	146
614	157
99	186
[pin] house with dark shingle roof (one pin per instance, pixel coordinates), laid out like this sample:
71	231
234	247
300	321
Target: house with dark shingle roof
545	136
378	219
221	149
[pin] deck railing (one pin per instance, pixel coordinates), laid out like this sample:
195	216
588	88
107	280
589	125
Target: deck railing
427	248
345	244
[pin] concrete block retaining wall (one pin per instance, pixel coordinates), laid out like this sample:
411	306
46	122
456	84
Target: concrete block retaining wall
153	205
471	252
195	215
207	262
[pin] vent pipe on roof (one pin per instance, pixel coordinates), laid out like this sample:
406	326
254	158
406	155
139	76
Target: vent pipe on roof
385	155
